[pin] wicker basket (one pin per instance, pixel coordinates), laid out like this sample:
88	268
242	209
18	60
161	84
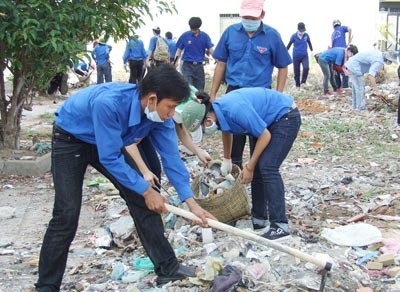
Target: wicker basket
228	205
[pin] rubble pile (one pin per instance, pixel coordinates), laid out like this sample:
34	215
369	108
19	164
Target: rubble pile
343	202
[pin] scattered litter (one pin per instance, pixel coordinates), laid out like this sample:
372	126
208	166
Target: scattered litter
103	237
359	234
143	264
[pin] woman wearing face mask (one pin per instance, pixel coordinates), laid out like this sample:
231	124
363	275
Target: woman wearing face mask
247	54
301	41
272	121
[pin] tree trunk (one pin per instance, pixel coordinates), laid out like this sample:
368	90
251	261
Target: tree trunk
11	111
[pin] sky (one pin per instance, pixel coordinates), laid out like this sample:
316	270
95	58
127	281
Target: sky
361	15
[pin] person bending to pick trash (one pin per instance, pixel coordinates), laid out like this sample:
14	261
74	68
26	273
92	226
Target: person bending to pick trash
92	127
272	121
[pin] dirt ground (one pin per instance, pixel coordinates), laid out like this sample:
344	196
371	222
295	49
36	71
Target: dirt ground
342	164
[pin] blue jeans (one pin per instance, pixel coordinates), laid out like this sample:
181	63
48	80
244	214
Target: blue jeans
303	61
267	188
327	70
194	74
104	72
70	158
358	91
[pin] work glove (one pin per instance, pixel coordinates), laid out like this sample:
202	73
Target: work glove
226	166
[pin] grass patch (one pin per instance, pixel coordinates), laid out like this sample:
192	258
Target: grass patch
347	138
48	117
30	134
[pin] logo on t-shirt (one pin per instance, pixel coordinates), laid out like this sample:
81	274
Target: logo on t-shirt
261	50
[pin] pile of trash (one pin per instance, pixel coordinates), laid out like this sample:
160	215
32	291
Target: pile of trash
211	182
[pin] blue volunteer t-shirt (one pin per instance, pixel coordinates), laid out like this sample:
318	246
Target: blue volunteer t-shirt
194	47
250	110
339	36
333	56
109	116
134	50
171	48
251	61
101	54
300	45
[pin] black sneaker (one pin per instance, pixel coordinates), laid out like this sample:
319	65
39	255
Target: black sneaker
257	227
182	273
276	233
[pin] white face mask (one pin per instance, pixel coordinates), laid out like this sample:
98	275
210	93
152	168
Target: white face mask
152	116
211	129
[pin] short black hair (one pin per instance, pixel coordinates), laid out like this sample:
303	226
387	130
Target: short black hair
168	35
195	22
353	49
166	82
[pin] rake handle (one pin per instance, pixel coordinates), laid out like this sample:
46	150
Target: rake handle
253	237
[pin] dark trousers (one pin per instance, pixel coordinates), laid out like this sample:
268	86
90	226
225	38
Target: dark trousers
135	71
267	188
70	158
297	62
398	111
194	74
338	79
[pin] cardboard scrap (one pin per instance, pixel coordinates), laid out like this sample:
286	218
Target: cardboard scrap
374	266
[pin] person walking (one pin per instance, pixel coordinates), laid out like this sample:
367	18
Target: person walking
157	52
101	55
301	41
135	55
171	46
194	44
93	127
246	56
272	121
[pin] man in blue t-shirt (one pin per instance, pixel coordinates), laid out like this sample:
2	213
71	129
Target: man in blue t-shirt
194	44
135	54
171	46
95	126
151	61
339	41
246	56
101	54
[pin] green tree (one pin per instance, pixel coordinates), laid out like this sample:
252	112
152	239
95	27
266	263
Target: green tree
39	37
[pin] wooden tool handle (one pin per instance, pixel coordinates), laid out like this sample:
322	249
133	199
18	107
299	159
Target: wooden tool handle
253	237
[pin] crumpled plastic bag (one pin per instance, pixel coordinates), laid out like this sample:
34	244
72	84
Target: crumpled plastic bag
359	234
229	278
